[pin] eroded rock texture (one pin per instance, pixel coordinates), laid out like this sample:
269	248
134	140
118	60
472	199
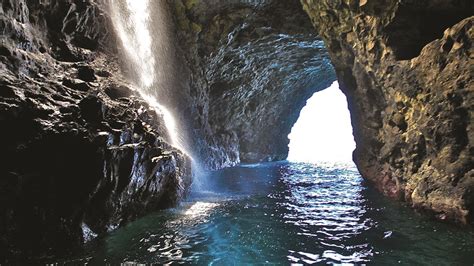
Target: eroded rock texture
253	65
406	68
80	153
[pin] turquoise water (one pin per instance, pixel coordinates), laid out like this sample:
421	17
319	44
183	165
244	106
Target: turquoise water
283	213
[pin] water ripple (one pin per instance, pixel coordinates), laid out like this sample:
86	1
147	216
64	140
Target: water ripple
283	213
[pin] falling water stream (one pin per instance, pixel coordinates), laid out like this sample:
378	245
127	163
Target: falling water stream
143	42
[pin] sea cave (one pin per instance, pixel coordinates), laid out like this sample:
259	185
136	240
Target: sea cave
236	132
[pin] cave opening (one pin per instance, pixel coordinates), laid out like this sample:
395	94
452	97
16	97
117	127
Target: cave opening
323	131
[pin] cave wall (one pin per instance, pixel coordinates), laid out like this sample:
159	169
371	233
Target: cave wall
406	68
253	65
80	153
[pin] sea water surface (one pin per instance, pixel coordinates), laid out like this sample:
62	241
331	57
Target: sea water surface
285	213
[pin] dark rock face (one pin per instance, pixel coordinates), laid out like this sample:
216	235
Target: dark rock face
406	68
253	65
80	153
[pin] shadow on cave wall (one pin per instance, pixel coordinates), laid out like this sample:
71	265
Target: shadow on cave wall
418	23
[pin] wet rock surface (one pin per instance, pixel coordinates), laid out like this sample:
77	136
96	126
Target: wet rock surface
406	68
80	153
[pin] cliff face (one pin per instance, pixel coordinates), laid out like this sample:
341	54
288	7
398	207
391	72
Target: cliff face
253	65
406	68
81	154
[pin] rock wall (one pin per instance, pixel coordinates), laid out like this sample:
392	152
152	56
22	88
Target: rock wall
253	65
81	153
406	68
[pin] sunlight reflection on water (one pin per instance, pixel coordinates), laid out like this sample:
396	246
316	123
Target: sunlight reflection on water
282	213
199	209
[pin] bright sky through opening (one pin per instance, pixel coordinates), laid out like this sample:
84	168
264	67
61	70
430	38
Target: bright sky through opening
323	132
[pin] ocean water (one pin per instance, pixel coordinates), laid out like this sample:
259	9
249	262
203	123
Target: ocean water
285	213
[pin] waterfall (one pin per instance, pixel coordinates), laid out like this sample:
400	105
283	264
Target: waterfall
142	46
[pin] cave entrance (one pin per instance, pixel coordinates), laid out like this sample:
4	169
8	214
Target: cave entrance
323	131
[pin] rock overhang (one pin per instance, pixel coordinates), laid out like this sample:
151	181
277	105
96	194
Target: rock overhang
257	62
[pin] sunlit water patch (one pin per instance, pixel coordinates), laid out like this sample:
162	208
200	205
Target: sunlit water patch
283	213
